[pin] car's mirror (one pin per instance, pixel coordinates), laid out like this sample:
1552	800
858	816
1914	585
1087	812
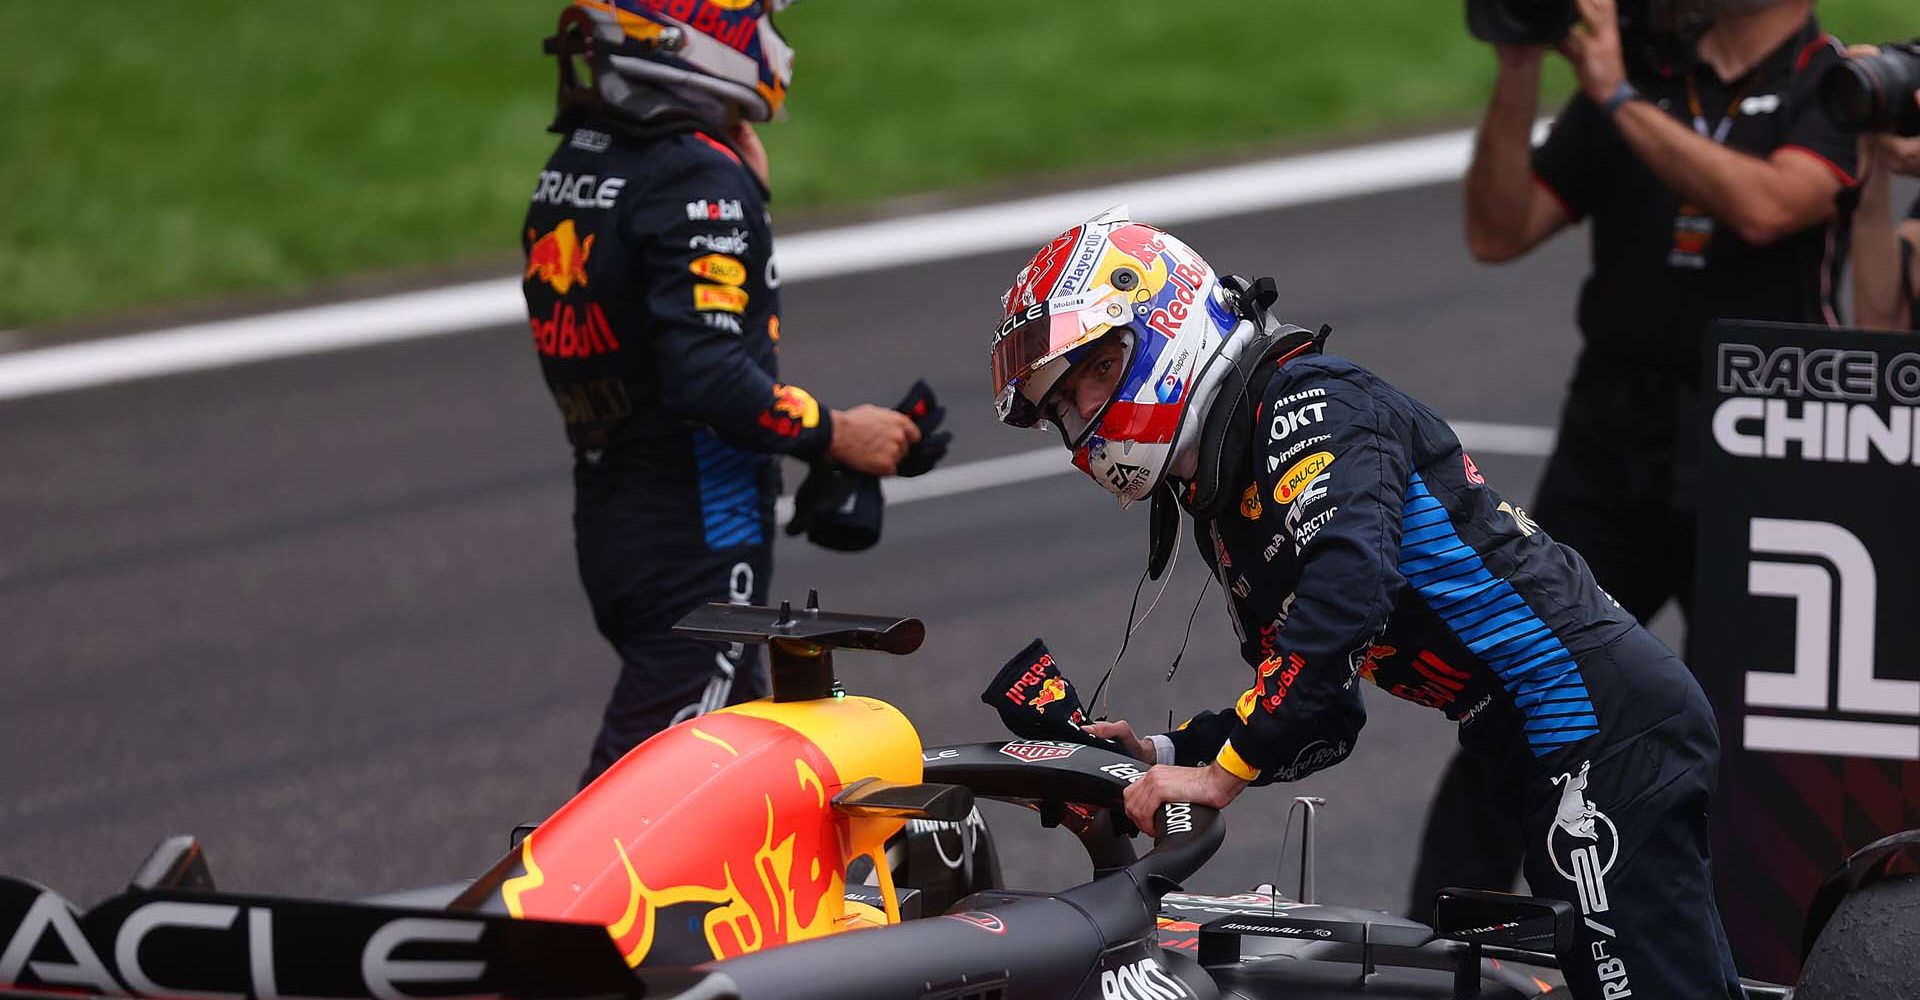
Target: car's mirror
1504	920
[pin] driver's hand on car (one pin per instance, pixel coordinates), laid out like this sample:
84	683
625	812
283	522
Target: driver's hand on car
871	439
1212	786
1121	732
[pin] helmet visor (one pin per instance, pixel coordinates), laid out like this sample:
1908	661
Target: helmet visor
1030	340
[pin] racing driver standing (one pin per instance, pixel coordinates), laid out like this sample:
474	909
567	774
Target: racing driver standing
1356	540
653	298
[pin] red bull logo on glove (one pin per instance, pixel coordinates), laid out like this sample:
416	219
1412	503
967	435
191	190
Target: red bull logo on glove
1053	690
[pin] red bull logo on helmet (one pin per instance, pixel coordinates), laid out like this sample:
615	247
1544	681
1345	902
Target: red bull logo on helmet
1139	242
1167	318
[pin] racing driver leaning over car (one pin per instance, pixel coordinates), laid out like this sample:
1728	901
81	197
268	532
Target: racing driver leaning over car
1356	540
653	298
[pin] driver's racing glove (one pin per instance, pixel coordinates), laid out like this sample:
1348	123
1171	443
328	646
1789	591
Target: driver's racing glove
1036	701
927	414
840	509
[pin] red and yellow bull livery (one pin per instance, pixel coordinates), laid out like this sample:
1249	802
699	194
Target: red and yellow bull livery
719	836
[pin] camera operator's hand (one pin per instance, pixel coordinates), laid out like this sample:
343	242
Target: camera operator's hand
1593	47
871	439
1520	58
1900	154
1881	151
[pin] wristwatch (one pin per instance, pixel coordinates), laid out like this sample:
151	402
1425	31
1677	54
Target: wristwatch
1621	94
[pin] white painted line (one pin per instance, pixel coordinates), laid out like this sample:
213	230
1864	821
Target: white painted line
1004	471
1517	440
1165	201
1294	180
1504	439
259	338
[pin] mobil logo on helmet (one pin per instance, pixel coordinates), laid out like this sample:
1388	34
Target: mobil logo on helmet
716	838
559	258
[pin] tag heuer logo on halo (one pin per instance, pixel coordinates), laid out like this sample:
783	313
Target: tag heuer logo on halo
1034	751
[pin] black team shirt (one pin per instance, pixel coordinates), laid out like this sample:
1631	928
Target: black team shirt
1663	270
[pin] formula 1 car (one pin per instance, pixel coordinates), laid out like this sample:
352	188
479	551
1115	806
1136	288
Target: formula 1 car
724	858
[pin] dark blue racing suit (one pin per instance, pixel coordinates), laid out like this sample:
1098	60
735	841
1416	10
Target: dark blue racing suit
653	302
1366	545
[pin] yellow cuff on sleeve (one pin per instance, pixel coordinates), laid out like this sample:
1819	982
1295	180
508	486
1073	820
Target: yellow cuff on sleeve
1235	764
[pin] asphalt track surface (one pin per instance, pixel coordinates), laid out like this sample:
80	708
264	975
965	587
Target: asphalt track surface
322	611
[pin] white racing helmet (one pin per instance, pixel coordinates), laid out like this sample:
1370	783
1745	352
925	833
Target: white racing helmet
1113	277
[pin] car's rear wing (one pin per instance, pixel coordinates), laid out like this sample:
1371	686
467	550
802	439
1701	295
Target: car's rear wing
178	942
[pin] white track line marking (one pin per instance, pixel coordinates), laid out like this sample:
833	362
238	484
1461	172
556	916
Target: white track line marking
1490	439
1293	180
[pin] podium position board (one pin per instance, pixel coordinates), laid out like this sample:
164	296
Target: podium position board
1806	624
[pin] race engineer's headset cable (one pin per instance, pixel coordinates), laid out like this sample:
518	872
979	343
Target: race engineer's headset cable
1132	627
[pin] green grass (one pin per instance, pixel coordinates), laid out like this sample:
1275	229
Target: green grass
187	149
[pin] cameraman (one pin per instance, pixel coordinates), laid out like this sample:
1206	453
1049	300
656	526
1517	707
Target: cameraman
1886	270
1714	179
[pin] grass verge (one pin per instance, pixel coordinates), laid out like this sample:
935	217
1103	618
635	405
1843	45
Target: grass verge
186	149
